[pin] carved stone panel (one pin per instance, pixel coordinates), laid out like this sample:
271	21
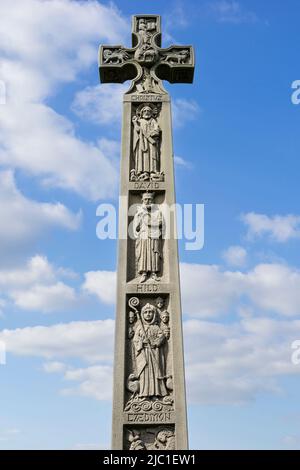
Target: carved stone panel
149	438
149	378
146	244
177	56
146	143
147	52
115	55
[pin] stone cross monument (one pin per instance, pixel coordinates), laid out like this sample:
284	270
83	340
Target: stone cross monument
149	405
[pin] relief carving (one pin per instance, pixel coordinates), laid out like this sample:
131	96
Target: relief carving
176	56
115	56
146	53
150	378
147	230
150	439
146	144
148	83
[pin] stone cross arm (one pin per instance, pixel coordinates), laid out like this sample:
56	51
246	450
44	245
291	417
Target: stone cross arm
118	64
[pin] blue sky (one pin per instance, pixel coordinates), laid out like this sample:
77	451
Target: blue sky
236	147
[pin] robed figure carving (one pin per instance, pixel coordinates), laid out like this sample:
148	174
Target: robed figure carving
146	144
150	363
147	230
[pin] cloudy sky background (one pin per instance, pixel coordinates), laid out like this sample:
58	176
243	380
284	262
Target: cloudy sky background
236	147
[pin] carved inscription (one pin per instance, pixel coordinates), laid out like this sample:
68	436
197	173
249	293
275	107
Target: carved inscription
163	417
147	288
145	98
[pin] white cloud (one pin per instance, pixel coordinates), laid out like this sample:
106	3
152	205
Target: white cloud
235	363
109	147
54	367
100	104
46	298
275	287
181	162
38	287
102	284
207	290
2	305
23	219
94	381
231	11
210	291
177	17
48	48
46	146
235	256
37	269
183	111
34	137
88	340
279	228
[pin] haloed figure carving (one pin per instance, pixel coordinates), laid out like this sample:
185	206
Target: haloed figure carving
146	144
150	371
164	316
147	229
148	343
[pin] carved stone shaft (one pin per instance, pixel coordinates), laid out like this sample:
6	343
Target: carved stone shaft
149	404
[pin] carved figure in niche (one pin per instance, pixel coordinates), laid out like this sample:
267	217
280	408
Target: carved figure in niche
146	144
150	438
146	29
116	56
144	35
165	440
176	57
136	443
147	230
148	84
131	382
149	379
164	317
148	341
146	25
145	53
164	326
131	321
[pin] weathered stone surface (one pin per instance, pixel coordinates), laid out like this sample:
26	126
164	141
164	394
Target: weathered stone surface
149	407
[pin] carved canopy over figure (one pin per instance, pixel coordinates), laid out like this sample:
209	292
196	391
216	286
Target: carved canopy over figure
147	229
148	341
146	144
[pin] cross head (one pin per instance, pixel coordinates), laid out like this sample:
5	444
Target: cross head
146	63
